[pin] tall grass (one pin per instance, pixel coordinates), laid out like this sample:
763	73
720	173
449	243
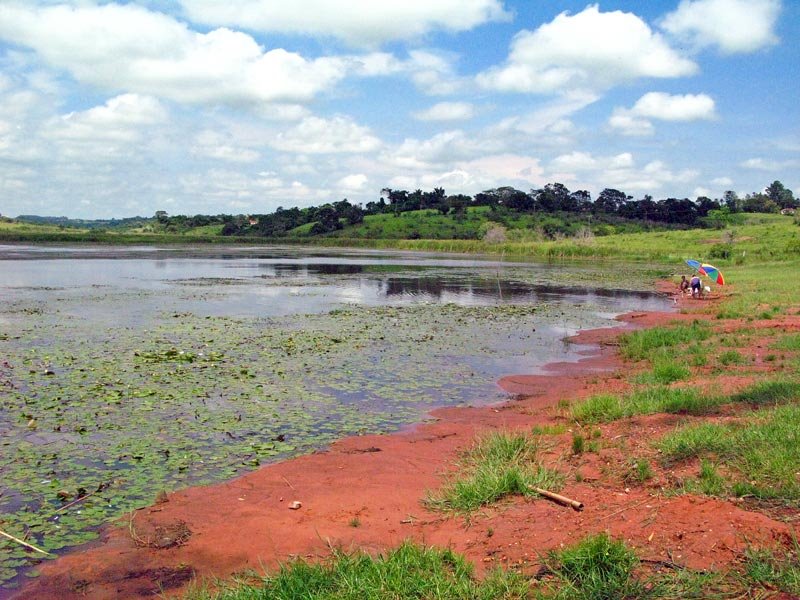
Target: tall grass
596	568
643	344
762	451
610	407
498	465
409	572
776	570
680	400
776	391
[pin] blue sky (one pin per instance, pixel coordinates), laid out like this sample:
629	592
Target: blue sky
115	109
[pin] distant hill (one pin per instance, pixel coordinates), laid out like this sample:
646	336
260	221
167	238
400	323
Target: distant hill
125	223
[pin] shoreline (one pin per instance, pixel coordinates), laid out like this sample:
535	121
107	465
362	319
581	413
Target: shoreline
378	480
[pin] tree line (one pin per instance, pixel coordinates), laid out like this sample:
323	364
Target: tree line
552	198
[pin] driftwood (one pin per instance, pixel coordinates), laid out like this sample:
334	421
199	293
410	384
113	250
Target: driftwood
558	498
100	488
26	544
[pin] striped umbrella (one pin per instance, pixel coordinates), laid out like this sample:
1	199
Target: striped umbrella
708	270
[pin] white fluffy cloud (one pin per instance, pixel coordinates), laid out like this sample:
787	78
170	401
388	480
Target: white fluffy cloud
353	183
626	123
590	50
618	171
688	107
447	111
732	25
126	47
103	133
315	135
212	144
664	107
766	164
119	118
360	22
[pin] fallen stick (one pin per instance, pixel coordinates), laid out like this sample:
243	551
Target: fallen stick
77	501
26	544
100	488
624	508
558	498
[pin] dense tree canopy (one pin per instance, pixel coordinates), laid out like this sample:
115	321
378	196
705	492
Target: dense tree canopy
553	198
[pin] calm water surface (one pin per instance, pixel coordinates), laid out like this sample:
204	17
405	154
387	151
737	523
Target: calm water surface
259	282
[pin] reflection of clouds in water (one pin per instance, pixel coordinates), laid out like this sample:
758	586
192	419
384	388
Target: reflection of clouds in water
354	294
296	283
465	298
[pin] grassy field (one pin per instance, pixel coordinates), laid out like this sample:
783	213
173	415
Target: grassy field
761	239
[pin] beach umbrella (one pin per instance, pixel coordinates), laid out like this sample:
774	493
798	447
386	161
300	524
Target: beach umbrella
708	270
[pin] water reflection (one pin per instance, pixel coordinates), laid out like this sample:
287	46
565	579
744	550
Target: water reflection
133	284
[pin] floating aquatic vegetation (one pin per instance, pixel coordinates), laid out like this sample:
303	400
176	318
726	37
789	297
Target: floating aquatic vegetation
127	409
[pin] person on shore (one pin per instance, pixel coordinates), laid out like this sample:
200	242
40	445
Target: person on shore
684	284
696	285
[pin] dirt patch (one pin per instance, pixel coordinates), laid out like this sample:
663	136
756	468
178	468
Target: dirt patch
246	523
159	536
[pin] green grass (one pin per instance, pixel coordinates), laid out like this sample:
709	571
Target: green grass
498	465
731	357
597	568
604	408
773	569
409	572
708	481
772	283
638	472
789	342
644	344
776	391
665	371
761	452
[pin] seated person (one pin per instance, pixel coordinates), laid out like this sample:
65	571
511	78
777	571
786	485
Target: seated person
696	286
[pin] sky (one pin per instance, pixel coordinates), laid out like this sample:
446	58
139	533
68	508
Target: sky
119	109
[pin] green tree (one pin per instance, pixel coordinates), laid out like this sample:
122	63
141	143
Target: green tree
610	201
759	203
780	195
732	201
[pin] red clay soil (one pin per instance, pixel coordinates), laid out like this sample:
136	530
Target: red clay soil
365	493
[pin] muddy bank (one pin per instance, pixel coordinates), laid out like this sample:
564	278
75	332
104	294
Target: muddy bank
364	492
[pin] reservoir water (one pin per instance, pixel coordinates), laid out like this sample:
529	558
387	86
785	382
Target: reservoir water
130	370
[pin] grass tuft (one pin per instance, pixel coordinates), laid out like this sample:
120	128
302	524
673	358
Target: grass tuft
767	568
498	465
597	568
789	342
761	452
641	345
769	392
408	572
677	400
